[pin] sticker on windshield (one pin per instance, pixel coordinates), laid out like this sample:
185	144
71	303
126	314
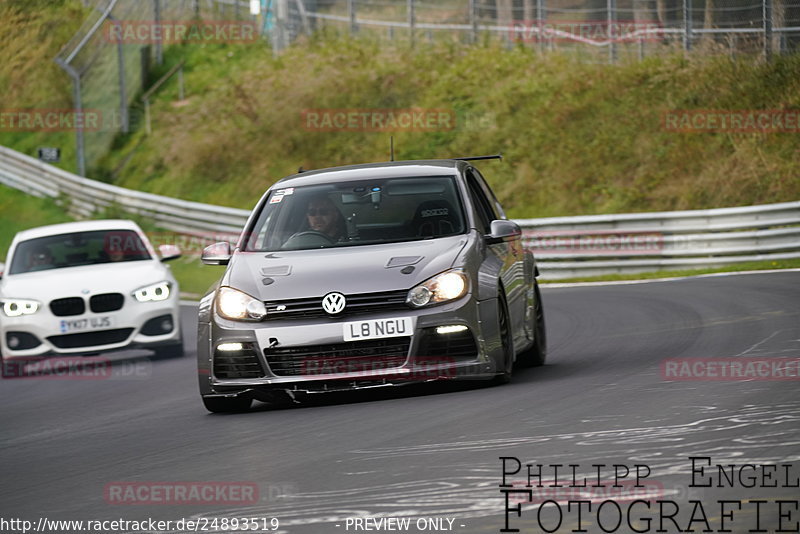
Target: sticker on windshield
438	212
277	198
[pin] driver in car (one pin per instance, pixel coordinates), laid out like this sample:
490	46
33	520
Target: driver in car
323	216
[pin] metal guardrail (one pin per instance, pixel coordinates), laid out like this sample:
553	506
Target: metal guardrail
565	247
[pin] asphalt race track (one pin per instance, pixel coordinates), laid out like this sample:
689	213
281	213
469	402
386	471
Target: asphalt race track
434	452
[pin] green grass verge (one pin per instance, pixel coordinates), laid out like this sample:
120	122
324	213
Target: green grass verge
19	211
31	34
579	138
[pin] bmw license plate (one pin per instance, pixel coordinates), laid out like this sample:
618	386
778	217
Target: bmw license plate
89	323
378	328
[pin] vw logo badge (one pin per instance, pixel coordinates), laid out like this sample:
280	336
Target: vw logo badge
333	303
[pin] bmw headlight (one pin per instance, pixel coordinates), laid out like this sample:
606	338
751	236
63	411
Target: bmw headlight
17	307
449	285
153	293
239	306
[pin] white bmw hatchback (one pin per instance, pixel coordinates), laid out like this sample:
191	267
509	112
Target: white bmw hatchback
86	288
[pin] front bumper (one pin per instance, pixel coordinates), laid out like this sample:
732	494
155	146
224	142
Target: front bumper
312	356
136	325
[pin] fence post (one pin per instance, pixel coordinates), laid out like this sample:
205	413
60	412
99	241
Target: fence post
123	90
160	38
410	4
687	25
540	20
351	10
473	20
181	88
80	149
612	18
281	25
767	15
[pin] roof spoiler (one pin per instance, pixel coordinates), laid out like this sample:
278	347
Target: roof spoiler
475	158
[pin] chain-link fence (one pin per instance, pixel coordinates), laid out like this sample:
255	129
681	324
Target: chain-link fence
110	57
598	28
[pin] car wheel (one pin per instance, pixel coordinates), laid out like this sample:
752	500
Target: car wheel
504	331
227	404
537	354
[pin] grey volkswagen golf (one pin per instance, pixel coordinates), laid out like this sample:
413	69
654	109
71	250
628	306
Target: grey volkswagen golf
368	276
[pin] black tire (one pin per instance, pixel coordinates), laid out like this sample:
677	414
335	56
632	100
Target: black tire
536	355
227	404
504	330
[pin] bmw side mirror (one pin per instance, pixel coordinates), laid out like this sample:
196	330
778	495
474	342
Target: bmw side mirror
217	254
502	230
169	252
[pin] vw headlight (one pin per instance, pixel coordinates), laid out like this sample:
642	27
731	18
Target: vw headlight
17	307
239	306
153	293
449	285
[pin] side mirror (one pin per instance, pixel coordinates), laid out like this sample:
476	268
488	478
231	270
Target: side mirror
503	230
217	254
169	252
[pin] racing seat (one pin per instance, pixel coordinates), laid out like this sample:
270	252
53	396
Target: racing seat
435	218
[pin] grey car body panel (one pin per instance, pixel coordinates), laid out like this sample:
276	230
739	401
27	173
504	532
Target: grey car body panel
357	269
503	267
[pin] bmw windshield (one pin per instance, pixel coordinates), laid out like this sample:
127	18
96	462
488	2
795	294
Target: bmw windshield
357	213
76	249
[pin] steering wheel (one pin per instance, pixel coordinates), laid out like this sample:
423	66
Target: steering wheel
308	239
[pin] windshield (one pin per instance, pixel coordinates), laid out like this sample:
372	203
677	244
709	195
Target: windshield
79	248
358	213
